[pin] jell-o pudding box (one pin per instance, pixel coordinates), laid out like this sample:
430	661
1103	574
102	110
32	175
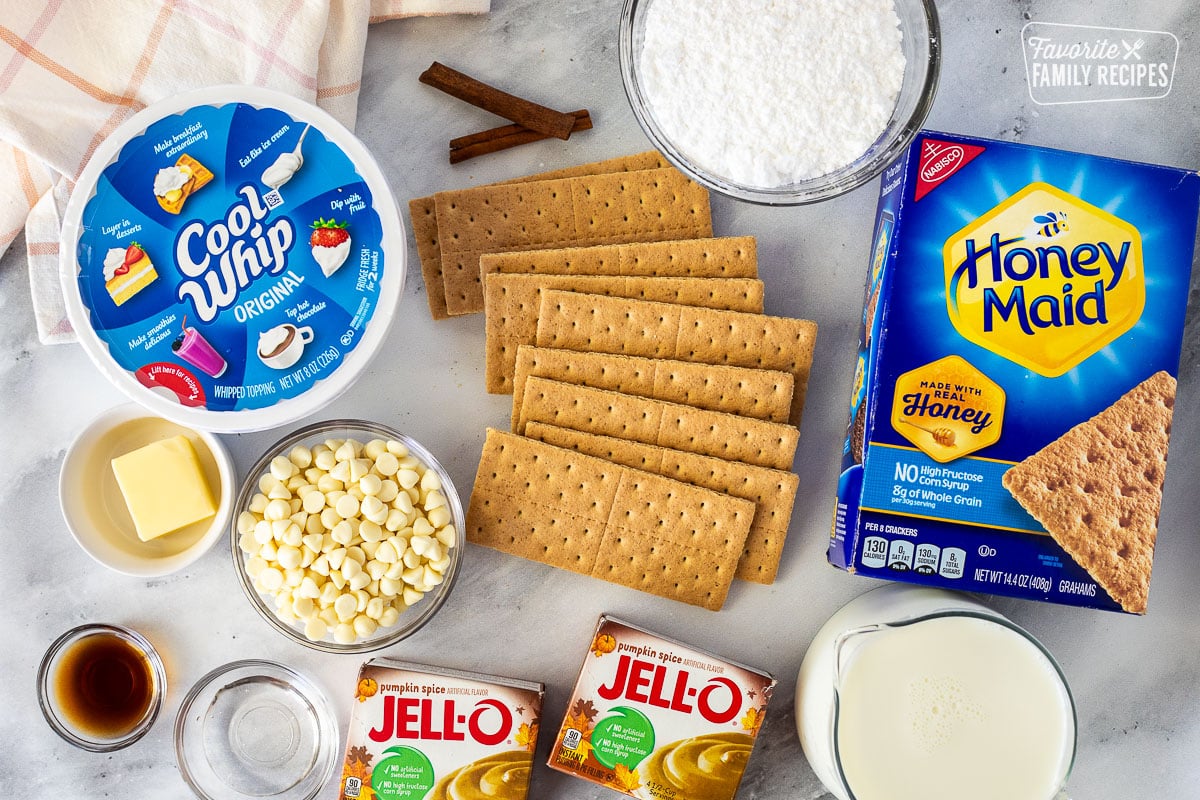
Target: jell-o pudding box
656	719
426	733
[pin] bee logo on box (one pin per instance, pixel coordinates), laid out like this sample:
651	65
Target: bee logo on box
1026	285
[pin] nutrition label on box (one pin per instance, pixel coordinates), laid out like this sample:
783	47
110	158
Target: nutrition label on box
903	555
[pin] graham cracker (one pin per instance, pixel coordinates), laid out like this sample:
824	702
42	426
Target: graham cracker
772	491
648	205
639	419
722	257
574	321
758	393
1098	487
511	303
609	521
423	212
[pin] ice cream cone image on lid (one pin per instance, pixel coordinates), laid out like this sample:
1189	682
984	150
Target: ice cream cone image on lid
173	185
127	270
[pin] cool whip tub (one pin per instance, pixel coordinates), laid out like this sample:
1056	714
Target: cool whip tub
231	258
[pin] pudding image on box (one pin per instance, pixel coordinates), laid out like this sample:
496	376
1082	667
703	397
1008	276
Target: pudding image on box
426	733
1015	378
655	719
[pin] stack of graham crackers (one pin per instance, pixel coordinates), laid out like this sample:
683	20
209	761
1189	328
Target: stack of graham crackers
655	408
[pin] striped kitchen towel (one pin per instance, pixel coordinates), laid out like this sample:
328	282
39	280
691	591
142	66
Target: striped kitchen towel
71	72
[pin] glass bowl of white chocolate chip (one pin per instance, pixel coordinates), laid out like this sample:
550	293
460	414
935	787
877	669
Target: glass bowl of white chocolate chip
347	536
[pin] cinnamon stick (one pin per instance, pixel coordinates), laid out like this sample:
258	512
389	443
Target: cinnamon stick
504	137
519	110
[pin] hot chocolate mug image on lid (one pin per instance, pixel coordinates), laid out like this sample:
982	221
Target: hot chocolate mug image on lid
232	258
282	346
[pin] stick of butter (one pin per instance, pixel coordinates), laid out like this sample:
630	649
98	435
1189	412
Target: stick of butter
164	487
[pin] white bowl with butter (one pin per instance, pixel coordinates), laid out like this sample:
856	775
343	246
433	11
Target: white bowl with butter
96	507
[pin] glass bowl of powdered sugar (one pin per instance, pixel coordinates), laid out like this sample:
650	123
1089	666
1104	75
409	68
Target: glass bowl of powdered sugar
780	103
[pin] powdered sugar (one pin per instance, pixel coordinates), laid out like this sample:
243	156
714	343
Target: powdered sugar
770	92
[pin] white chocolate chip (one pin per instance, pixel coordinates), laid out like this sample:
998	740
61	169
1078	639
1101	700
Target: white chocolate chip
439	517
346	606
288	557
314	501
359	468
270	578
301	456
364	626
387	464
277	509
374	608
435	499
282	468
347	506
315	629
370	484
407	478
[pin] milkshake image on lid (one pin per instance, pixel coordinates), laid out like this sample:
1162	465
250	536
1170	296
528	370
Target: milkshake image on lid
206	293
913	693
195	350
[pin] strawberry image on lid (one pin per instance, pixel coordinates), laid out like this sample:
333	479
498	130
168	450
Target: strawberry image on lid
330	244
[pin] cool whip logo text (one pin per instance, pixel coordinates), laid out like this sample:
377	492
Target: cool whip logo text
222	258
1044	279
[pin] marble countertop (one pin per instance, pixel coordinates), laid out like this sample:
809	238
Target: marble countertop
1136	680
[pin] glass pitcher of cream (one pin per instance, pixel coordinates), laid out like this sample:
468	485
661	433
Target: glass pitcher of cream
911	693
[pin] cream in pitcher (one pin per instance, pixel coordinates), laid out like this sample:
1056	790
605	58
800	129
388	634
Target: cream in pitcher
918	693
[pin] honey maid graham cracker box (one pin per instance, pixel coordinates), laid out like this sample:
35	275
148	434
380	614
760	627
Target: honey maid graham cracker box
1015	381
655	719
427	733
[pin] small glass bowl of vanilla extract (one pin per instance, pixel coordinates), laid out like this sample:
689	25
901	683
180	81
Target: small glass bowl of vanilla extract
101	686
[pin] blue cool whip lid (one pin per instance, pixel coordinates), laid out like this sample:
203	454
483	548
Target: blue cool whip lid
232	258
